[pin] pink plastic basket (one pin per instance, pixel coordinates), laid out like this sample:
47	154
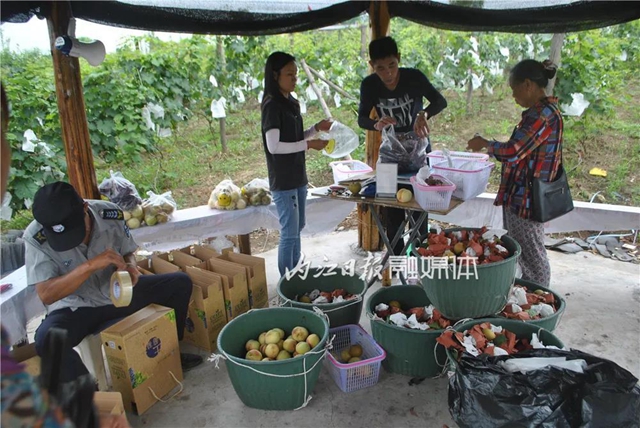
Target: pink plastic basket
354	376
433	198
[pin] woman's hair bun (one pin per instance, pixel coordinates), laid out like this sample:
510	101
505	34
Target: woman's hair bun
550	69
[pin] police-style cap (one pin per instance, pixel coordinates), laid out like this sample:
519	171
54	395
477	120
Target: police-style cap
60	210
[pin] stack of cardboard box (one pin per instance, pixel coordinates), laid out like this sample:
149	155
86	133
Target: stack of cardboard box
225	286
142	349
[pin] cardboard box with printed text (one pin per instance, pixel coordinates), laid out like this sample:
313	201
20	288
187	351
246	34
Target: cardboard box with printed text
234	284
207	312
143	356
256	276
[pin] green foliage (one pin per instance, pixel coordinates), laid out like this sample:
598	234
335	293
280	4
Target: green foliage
176	77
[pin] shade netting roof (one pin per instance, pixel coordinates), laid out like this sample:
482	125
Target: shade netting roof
255	17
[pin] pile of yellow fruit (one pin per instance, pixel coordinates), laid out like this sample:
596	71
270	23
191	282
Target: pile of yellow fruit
349	355
271	345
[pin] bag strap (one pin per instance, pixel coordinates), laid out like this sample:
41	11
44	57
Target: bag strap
558	172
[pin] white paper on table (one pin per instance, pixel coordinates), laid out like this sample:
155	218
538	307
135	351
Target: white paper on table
386	179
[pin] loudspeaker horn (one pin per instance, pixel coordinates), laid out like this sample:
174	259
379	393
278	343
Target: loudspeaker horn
94	52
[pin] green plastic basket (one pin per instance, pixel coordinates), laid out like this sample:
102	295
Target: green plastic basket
409	352
251	379
473	297
549	323
343	313
521	330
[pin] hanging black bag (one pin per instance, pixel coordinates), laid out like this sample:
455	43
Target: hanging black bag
550	199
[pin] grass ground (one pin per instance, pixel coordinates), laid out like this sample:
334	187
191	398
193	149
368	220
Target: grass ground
191	163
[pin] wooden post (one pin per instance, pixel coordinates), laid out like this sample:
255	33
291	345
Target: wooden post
554	55
222	120
244	244
363	42
368	235
73	116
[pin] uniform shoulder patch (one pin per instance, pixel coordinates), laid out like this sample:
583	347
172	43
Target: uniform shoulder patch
112	214
127	231
40	236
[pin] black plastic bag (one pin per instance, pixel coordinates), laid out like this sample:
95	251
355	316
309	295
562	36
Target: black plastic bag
76	397
483	394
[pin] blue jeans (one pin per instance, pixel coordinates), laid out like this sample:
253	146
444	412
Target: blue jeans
291	206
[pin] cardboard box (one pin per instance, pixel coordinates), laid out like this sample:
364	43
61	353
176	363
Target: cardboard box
200	252
207	312
180	259
234	284
108	403
143	356
256	276
156	265
28	357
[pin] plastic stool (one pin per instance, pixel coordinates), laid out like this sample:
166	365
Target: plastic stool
90	350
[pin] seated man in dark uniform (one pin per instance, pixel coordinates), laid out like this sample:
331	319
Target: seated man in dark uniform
72	249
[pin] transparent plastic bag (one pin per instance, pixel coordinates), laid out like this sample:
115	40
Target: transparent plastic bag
158	208
256	192
342	141
120	191
403	148
226	196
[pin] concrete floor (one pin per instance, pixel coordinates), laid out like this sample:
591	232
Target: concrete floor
602	318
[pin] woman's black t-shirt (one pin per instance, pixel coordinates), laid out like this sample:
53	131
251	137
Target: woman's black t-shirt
286	171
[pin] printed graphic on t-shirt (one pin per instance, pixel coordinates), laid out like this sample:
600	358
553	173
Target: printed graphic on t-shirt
398	108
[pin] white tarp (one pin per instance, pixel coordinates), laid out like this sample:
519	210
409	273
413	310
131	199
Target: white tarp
480	212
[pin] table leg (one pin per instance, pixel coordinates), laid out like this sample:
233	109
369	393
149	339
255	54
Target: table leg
244	244
386	242
413	234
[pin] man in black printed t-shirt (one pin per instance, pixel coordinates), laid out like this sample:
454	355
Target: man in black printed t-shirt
397	95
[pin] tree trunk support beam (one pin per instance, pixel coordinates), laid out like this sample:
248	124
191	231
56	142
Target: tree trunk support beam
73	116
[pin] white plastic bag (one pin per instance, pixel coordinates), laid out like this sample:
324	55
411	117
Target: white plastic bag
120	191
256	192
158	208
524	365
406	149
226	196
345	140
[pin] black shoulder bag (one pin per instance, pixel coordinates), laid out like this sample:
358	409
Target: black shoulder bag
550	199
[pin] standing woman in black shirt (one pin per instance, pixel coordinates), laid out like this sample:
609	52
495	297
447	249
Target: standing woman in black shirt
397	95
285	142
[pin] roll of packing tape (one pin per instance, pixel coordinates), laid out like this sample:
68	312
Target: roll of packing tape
121	288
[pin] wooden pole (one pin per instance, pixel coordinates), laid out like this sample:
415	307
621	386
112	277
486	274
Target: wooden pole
368	235
363	41
73	116
330	83
315	88
554	55
222	120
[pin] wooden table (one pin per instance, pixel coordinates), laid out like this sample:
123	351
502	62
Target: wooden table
372	203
